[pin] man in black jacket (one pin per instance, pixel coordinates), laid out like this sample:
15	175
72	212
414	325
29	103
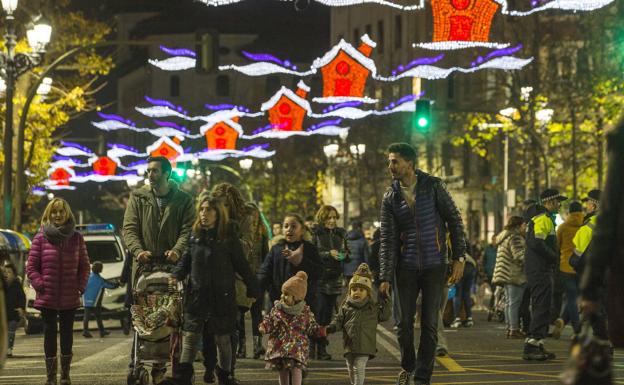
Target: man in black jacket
416	213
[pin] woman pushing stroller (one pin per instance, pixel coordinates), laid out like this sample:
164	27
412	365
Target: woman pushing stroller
213	257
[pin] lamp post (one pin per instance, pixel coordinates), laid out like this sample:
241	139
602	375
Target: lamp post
12	66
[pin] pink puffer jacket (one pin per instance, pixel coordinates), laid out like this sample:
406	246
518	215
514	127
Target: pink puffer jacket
58	274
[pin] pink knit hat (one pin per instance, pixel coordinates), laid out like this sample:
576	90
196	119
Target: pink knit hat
297	286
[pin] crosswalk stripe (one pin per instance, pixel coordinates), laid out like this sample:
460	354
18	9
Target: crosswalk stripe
387	345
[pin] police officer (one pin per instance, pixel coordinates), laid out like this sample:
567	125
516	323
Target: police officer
542	256
583	236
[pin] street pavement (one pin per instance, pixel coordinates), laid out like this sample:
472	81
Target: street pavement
478	355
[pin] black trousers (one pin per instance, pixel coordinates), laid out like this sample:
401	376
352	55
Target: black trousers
429	283
53	322
541	288
525	312
97	312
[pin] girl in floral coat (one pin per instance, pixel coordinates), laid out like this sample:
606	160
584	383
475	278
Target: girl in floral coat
289	326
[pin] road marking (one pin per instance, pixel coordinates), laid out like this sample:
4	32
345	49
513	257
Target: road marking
450	364
387	345
512	373
106	354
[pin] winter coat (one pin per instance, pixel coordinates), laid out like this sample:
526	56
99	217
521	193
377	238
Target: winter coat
275	269
95	288
326	240
415	238
144	230
15	298
373	259
509	268
255	241
565	235
359	252
58	274
210	265
542	253
359	325
289	335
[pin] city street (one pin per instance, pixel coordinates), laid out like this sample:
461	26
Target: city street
479	355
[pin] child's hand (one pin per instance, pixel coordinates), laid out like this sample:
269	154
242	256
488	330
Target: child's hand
261	328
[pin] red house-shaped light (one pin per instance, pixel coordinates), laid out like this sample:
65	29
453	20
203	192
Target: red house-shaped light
166	147
60	176
463	20
222	135
287	109
105	166
346	69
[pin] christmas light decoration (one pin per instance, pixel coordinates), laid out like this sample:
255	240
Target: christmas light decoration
496	53
175	63
465	21
456	45
222	135
416	62
269	58
117	150
348	110
287	109
165	147
262	69
178	51
105	166
73	149
328	128
566	5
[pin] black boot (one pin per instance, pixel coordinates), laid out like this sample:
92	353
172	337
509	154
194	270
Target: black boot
65	366
258	348
51	370
241	352
183	374
313	349
225	377
321	350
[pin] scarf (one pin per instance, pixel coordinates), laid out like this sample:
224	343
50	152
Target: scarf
358	304
292	310
57	234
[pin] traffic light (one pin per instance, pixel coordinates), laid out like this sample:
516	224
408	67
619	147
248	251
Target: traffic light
207	51
422	117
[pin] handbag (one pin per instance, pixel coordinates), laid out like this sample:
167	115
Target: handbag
590	360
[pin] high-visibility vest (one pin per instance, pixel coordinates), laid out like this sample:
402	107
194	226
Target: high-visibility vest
584	236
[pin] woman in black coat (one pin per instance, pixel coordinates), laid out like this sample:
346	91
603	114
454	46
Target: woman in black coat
213	257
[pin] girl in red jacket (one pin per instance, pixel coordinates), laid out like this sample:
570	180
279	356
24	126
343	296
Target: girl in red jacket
58	269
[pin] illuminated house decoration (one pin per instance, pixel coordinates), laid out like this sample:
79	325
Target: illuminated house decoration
222	135
60	175
462	24
287	109
569	5
345	71
167	148
105	165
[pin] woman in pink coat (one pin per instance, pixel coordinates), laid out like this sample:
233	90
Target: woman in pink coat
58	270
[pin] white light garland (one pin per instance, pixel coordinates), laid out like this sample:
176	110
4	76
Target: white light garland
72	151
217	155
455	45
161	112
344	99
207	127
175	63
264	68
279	134
566	5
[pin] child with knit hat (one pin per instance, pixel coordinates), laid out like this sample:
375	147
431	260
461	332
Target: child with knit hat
289	326
358	318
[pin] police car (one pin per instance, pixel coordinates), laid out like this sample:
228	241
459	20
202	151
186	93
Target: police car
104	244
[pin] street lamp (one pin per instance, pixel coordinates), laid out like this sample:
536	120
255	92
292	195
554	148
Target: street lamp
12	66
245	164
331	150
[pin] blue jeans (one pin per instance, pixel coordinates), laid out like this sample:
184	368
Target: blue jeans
569	310
514	294
12	326
464	289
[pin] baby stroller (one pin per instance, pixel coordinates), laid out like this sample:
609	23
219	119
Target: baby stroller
156	319
497	311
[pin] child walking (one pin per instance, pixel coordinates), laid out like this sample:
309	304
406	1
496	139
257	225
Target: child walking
15	300
92	299
358	317
289	325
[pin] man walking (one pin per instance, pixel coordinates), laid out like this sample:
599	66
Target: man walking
157	223
541	258
416	213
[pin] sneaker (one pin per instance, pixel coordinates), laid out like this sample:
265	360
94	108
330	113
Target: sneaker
10	352
533	353
209	377
403	378
469	322
87	334
457	323
104	333
558	326
547	354
441	352
516	334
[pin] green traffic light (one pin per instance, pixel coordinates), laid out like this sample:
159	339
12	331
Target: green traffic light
179	172
423	122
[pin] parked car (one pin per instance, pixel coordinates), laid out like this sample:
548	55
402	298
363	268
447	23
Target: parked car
104	244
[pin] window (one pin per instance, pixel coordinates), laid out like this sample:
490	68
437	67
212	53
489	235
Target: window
450	94
223	85
272	85
369	30
356	35
103	251
398	31
174	86
380	36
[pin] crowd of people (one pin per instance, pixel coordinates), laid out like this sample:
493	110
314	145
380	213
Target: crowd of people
221	249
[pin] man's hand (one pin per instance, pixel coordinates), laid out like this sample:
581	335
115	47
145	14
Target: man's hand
589	307
144	256
458	272
172	256
384	289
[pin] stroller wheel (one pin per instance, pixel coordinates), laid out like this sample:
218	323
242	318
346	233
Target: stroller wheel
143	377
131	380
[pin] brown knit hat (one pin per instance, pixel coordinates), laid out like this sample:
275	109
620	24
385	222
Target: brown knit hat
363	277
297	286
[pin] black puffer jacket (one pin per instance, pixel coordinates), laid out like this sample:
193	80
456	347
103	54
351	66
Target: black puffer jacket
415	238
210	265
326	240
